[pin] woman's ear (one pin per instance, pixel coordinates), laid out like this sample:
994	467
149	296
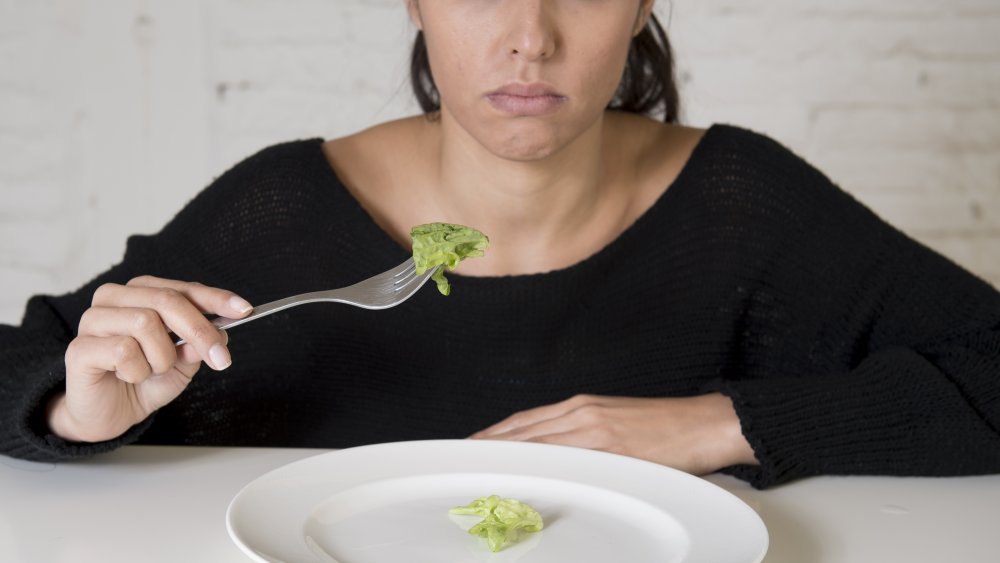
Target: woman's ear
645	10
413	7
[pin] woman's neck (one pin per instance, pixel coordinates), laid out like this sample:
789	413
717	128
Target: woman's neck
534	211
541	215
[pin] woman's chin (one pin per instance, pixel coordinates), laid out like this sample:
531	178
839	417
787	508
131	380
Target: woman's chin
525	153
525	146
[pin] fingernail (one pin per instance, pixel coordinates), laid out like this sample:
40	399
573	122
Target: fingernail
240	304
220	357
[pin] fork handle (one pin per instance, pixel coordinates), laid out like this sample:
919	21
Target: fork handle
259	311
220	323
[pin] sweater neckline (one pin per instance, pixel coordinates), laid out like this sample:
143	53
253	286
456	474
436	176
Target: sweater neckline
387	246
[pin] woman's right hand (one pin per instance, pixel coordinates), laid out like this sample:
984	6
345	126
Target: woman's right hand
123	365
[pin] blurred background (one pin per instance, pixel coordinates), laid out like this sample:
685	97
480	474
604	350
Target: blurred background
115	113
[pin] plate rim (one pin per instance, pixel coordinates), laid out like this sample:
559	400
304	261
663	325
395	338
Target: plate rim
495	447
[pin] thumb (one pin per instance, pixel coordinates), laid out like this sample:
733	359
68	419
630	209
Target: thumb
161	389
189	361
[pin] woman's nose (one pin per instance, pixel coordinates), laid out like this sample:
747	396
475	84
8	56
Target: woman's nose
532	33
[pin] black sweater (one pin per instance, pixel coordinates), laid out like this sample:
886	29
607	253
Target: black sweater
846	347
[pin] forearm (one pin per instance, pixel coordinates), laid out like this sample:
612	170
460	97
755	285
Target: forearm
896	414
695	434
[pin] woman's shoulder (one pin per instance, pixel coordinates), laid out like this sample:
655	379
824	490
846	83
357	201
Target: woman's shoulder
716	155
745	175
716	164
734	159
280	158
264	181
295	165
279	166
739	152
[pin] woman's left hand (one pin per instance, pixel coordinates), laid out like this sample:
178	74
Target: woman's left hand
698	434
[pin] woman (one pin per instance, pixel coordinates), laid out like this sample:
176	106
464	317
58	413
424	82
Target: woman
701	299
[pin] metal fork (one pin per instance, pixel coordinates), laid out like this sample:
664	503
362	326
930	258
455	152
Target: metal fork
381	291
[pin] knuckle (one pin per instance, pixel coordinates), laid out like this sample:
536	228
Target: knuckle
145	320
102	292
517	417
125	349
590	413
140	280
203	333
72	352
85	320
166	298
162	364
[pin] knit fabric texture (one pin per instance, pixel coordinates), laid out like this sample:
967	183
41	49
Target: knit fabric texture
846	347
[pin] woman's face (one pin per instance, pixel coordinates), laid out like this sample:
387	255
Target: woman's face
526	77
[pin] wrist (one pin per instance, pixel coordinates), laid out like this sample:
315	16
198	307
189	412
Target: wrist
734	449
59	420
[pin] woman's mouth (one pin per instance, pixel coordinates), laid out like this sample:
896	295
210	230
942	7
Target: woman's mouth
521	99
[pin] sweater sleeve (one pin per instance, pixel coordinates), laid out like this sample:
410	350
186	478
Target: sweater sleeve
207	241
32	372
899	373
928	408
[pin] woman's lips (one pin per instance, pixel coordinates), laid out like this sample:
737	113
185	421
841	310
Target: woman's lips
526	99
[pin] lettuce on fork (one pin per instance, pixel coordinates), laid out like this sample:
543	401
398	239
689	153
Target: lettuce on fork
502	519
444	244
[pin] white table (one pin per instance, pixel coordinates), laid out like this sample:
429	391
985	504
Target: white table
146	503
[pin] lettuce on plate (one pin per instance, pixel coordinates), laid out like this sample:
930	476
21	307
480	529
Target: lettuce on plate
502	519
444	244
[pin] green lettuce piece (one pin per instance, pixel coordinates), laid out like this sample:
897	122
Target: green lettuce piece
502	519
444	244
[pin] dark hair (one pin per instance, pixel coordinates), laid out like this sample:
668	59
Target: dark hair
647	86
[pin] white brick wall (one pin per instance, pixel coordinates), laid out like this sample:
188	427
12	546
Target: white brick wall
114	113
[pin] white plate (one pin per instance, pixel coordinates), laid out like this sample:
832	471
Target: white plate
389	502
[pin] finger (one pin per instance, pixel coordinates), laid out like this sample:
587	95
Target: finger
187	357
182	316
522	419
578	438
144	325
161	389
534	416
207	299
555	425
188	360
94	356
